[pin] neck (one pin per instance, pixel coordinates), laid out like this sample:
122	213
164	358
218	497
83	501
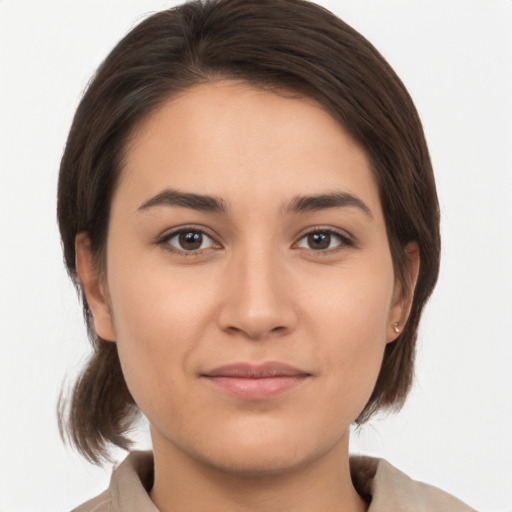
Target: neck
183	483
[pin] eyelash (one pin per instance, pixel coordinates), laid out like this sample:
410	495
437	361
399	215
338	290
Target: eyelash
166	238
343	239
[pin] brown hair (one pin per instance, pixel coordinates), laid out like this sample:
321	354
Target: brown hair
291	45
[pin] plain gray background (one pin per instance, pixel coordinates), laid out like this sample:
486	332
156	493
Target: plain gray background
455	57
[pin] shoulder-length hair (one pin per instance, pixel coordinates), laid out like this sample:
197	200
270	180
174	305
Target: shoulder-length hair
280	45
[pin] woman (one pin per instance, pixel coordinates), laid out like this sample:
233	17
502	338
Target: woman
247	206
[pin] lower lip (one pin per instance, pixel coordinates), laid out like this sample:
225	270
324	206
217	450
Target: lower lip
258	388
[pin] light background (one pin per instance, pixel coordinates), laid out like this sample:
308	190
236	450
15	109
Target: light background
455	57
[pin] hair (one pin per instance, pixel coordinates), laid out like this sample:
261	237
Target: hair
279	45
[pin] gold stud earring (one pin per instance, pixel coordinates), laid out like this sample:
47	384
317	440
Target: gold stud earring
395	326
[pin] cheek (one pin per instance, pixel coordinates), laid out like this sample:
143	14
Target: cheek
348	317
353	301
158	299
159	319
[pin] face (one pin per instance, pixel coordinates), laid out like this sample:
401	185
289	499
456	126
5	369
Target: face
249	283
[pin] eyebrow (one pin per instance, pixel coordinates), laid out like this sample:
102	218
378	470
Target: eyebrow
330	200
205	203
172	197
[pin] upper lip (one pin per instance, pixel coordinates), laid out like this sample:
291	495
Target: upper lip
255	371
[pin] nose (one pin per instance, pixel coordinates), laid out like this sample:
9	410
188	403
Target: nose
258	300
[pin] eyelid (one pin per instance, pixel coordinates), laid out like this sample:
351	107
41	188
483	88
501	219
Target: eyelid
346	240
164	238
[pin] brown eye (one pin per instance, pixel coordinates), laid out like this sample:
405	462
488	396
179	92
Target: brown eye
189	240
319	241
323	240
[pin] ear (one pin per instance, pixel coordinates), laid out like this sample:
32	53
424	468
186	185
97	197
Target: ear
94	288
403	295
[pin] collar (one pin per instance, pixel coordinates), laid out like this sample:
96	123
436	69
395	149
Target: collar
385	487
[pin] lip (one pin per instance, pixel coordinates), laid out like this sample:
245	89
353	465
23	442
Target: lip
256	382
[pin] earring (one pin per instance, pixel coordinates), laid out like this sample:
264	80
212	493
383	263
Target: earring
395	326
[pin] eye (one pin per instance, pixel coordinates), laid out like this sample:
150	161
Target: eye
188	240
323	240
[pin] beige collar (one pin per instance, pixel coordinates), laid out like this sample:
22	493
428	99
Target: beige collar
387	488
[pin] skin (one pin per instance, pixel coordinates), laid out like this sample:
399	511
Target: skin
255	290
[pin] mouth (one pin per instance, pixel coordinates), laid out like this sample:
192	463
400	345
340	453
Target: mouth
256	382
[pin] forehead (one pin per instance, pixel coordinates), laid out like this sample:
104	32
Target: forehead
240	142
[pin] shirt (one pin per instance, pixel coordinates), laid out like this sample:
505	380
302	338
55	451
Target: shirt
384	486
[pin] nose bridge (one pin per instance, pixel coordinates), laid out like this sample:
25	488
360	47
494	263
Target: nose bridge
257	301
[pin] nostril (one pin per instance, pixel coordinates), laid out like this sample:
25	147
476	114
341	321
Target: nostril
258	310
255	333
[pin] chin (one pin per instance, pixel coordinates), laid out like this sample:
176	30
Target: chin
261	464
263	453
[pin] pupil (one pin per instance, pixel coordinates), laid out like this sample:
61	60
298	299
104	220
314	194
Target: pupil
191	240
319	240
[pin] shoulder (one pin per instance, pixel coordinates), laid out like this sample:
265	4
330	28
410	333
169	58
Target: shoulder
128	489
101	503
387	488
383	485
